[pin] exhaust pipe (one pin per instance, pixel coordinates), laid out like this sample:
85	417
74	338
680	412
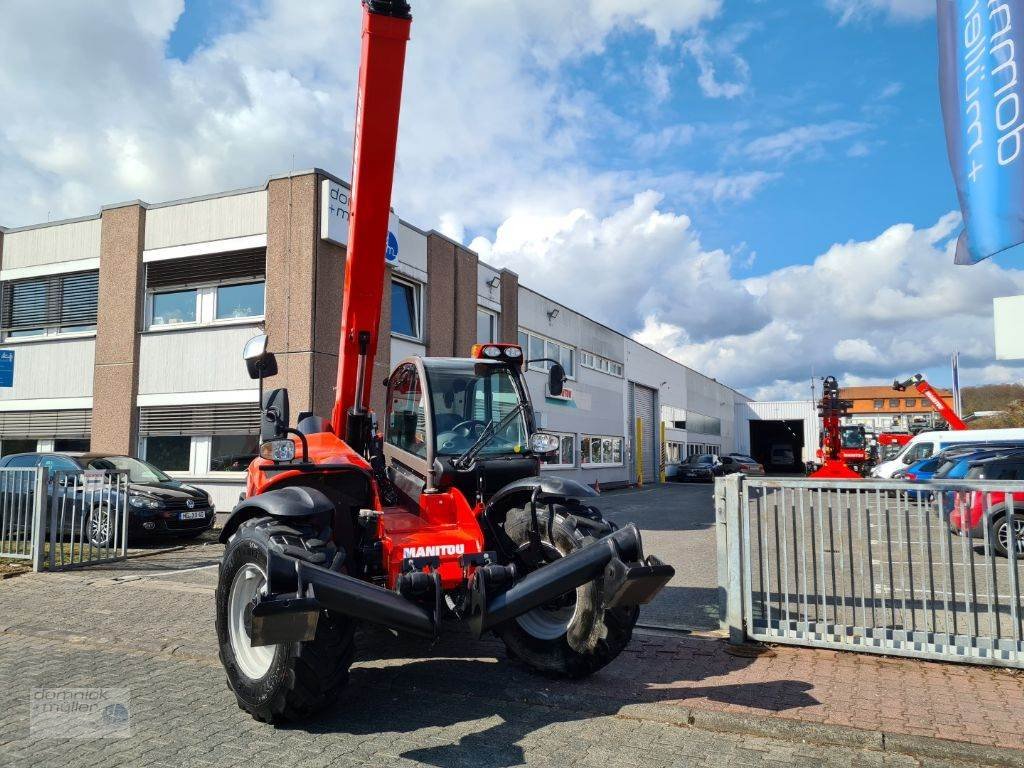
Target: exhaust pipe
617	558
292	618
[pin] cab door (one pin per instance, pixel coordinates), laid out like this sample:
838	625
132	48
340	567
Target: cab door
406	434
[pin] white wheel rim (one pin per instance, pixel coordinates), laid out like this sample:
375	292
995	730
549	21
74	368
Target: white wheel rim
1018	530
549	623
254	662
99	526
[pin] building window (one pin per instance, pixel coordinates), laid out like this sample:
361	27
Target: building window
17	445
405	308
674	452
486	326
879	404
49	305
169	453
910	402
233	453
73	445
238	301
895	403
173	307
598	363
705	425
566	455
538	347
204	290
600	451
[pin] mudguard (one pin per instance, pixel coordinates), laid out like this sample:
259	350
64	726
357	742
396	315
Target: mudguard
291	502
550	489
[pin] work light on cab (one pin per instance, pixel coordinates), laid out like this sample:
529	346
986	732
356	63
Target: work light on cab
512	353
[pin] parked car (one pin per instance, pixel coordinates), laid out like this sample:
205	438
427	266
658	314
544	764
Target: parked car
927	444
700	466
740	462
157	504
781	455
1005	510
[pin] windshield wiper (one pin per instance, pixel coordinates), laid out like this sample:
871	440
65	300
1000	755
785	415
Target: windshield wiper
466	459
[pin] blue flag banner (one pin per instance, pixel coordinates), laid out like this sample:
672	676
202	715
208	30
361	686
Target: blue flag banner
981	83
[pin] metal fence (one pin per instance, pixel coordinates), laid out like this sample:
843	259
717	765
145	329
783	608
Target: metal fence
879	566
63	519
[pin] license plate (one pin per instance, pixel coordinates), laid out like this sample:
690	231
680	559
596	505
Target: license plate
195	514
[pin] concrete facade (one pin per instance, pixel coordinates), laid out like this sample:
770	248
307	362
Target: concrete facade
116	374
138	366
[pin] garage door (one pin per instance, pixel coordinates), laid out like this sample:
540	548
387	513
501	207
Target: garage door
643	408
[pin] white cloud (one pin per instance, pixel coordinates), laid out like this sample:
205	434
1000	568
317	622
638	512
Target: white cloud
895	10
802	140
710	55
95	111
891	90
864	311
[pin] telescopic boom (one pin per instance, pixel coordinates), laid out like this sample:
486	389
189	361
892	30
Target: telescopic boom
931	394
386	26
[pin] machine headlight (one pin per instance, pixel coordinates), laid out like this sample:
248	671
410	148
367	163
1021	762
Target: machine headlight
278	450
542	442
141	501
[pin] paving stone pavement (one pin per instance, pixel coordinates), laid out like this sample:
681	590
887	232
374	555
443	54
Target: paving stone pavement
669	700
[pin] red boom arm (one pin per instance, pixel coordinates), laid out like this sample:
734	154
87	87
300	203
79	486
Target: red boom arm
933	397
385	33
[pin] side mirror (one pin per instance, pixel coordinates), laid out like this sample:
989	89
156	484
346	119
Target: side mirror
258	361
556	378
276	416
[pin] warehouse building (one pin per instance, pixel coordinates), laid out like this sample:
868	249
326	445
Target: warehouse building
127	329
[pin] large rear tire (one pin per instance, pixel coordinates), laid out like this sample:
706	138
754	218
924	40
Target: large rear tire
288	681
573	636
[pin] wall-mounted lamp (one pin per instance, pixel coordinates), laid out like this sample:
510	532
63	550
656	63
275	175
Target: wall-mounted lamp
552	314
494	282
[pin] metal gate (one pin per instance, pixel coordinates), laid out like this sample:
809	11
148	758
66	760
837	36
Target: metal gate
874	565
641	406
63	519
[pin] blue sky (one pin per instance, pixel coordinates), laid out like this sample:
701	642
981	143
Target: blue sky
754	187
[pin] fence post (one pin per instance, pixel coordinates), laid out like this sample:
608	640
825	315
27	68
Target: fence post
730	562
39	511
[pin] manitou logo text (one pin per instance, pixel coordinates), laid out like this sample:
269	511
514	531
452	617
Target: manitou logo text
440	550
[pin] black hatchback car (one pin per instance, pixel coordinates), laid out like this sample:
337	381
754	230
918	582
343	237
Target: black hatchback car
157	504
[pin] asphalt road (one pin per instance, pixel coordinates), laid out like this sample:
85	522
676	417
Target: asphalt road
677	521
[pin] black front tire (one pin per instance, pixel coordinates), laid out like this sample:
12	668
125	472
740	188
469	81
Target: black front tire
592	636
302	678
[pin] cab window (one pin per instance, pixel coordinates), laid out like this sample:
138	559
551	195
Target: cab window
406	412
918	452
58	464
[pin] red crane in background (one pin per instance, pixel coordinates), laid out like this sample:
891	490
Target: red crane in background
932	395
832	409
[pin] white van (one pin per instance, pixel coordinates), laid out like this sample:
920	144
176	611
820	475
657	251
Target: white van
926	444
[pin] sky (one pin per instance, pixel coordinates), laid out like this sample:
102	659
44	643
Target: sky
757	188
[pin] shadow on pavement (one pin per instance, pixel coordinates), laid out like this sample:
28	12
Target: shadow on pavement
403	698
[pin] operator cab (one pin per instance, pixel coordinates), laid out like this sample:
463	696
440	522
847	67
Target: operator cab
458	422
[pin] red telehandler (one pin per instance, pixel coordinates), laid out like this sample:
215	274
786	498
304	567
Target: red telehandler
921	385
836	457
445	517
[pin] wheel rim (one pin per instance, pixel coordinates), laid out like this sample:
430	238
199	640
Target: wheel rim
254	662
99	527
1018	534
551	621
